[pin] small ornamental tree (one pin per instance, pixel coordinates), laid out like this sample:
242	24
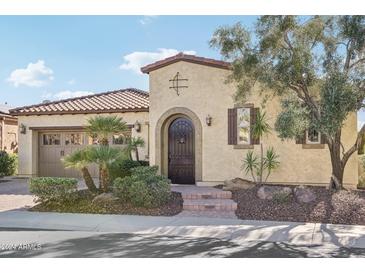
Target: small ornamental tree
315	64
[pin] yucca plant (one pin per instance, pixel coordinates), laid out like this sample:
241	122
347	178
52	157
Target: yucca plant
105	157
132	146
251	164
260	128
102	127
80	160
271	162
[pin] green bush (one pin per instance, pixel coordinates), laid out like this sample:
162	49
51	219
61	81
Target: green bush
8	164
53	189
122	168
144	163
144	188
281	197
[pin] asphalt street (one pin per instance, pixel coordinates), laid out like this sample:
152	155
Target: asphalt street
74	244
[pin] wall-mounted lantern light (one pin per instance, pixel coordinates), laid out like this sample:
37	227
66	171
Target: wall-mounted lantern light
137	126
208	120
23	129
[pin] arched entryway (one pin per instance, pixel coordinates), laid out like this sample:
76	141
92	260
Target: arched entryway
181	151
162	139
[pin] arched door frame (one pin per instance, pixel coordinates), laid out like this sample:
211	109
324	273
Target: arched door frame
161	142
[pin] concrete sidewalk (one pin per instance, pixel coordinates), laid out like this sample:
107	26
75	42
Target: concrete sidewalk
240	231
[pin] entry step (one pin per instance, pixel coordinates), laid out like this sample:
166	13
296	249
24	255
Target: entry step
194	192
209	205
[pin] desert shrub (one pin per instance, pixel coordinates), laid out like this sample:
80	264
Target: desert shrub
8	163
348	207
122	168
361	182
281	197
53	189
144	188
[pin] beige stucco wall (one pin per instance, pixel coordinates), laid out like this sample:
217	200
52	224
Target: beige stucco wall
28	143
207	93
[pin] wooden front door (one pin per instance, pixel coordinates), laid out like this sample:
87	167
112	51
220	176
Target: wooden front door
181	152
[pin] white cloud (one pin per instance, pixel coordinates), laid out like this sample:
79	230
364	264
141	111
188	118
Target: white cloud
65	94
135	60
147	19
71	82
34	75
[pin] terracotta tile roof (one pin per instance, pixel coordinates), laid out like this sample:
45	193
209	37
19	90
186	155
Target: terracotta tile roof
124	100
187	58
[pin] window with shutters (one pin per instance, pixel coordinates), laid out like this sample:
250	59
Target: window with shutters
240	121
313	136
243	126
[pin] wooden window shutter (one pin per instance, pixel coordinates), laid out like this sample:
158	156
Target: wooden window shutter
232	126
253	116
323	139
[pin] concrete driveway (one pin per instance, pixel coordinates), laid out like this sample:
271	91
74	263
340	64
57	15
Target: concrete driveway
14	194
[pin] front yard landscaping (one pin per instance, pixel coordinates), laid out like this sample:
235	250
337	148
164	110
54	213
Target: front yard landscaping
342	207
83	203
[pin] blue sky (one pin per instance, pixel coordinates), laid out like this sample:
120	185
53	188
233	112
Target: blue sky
53	57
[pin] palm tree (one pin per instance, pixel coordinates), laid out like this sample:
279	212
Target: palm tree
79	160
103	126
260	128
105	157
133	144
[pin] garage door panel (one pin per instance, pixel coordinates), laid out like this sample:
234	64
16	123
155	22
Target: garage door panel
55	146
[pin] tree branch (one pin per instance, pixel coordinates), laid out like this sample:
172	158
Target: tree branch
362	60
348	56
355	147
287	40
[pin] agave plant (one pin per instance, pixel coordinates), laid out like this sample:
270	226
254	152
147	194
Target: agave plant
260	128
271	161
132	146
105	157
80	160
251	164
103	126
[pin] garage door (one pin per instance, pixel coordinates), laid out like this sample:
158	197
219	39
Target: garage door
53	146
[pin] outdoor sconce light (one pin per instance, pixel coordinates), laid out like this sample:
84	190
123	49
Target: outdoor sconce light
137	126
208	120
23	129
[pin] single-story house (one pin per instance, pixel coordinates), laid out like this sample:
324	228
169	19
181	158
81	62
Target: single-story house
194	130
8	130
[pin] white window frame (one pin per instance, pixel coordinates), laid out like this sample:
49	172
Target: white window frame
309	142
248	128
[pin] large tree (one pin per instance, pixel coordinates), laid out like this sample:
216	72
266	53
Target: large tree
315	64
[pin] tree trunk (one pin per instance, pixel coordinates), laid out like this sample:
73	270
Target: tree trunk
336	181
137	156
88	180
104	179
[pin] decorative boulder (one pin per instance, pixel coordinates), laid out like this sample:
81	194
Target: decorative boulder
104	199
268	192
238	183
304	194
